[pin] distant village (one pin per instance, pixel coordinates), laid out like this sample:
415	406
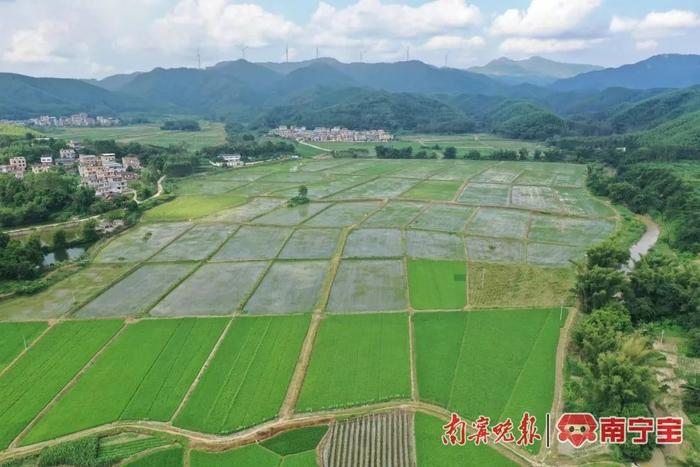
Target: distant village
335	134
103	173
77	120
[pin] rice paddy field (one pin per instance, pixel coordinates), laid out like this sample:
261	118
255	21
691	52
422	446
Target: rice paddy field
405	290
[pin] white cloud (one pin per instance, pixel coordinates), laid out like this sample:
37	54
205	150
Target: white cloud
544	18
532	46
368	19
656	24
35	45
453	42
647	45
220	24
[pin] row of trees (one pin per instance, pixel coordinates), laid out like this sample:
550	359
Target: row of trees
20	260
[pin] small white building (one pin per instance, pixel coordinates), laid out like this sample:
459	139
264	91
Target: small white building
232	160
46	160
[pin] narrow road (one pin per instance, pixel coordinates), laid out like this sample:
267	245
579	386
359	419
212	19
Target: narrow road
314	146
160	191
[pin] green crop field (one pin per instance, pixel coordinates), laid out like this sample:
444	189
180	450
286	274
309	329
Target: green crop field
438	190
212	134
437	285
15	338
247	380
170	457
493	363
152	363
193	206
30	384
358	360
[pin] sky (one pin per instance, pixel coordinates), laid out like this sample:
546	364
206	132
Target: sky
97	38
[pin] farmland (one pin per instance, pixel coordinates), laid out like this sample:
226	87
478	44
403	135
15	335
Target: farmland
403	290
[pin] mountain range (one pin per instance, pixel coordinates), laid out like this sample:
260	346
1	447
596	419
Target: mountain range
408	95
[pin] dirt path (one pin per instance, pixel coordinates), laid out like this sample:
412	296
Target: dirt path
294	389
158	194
314	146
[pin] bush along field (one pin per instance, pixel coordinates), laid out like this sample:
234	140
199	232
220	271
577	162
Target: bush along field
287	334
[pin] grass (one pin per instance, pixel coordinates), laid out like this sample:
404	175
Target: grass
296	441
14	337
357	360
193	207
430	450
437	285
247	380
493	363
64	296
45	369
212	134
143	376
503	285
438	190
170	457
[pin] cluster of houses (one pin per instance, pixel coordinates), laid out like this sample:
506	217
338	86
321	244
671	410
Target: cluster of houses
335	134
77	120
107	176
103	173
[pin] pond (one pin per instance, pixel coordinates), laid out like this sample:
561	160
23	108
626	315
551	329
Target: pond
59	256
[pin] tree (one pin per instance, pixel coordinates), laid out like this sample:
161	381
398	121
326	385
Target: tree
597	287
450	152
303	191
607	255
473	155
636	452
89	233
59	239
601	331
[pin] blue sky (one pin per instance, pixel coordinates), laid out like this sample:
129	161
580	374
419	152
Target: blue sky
88	38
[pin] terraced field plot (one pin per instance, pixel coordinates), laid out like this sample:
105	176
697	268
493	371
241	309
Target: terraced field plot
493	363
368	285
289	287
138	292
357	360
209	290
143	376
141	243
247	380
29	385
197	243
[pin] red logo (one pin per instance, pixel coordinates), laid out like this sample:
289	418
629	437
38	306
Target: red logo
577	429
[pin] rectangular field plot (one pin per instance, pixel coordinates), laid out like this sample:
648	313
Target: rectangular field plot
260	188
204	186
377	189
143	375
517	285
138	292
437	285
535	197
214	289
292	177
368	285
439	190
502	223
45	369
311	244
141	243
196	244
291	216
463	170
64	296
14	337
499	174
444	218
343	214
374	243
289	287
493	363
580	202
545	254
570	231
428	452
252	243
251	455
190	207
360	359
421	169
247	380
246	212
485	194
495	250
564	175
395	214
435	245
